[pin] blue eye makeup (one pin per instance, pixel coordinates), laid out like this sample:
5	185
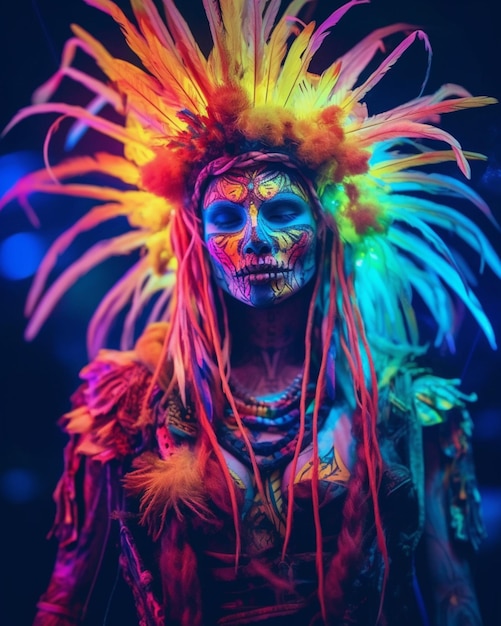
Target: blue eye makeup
223	217
284	208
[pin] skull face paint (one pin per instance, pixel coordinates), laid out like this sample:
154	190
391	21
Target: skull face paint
261	233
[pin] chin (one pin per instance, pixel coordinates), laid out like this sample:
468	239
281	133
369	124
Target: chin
270	295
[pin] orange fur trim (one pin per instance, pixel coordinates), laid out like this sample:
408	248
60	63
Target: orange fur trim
175	485
269	124
226	105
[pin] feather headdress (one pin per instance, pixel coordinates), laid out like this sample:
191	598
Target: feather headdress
185	115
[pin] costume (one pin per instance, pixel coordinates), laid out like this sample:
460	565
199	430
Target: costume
106	435
217	526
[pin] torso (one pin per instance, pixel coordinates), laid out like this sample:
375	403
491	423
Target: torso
335	448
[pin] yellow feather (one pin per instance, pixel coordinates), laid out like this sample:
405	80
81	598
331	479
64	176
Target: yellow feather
295	66
232	15
326	84
274	52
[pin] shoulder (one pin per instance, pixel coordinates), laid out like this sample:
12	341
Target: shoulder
427	398
443	410
439	400
113	410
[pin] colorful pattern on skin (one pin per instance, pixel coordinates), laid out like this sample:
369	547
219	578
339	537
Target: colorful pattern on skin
260	233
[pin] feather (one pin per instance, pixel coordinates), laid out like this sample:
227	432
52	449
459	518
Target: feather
164	60
109	95
358	94
42	181
129	31
433	262
448	219
105	127
438	184
385	290
145	94
79	128
413	220
232	12
101	251
218	55
269	17
434	296
326	85
386	168
111	305
276	49
193	59
322	31
422	110
395	129
149	20
252	32
355	61
165	289
173	484
90	220
144	289
47	89
294	67
447	90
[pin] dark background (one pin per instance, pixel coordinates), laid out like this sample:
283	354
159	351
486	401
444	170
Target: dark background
37	378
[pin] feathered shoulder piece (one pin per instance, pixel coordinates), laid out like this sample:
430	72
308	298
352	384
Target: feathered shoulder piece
108	416
183	115
123	399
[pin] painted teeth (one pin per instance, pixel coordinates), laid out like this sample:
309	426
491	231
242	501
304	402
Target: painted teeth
262	271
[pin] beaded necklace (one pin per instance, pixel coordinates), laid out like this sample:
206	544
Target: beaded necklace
277	417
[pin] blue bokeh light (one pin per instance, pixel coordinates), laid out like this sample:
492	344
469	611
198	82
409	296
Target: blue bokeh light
19	485
14	166
20	255
491	510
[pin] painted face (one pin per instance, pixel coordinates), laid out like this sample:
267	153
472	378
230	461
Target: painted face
260	232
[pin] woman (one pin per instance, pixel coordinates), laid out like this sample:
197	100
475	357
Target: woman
271	449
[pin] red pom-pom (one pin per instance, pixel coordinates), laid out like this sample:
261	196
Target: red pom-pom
331	117
226	104
364	218
166	175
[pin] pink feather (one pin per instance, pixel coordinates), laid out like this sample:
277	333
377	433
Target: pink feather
401	128
355	61
110	306
358	94
321	32
124	244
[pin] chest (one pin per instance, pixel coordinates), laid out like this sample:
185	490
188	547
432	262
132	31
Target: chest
264	511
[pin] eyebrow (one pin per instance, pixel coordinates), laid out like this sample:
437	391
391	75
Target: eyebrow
287	196
221	203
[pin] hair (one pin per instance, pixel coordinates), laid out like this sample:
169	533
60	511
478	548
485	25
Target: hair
199	346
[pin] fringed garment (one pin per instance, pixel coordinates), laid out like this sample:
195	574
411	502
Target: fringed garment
174	513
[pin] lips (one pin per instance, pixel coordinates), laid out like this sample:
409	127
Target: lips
263	271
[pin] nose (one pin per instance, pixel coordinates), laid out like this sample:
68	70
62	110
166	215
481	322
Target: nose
257	242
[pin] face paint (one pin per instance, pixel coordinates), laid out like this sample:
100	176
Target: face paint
260	233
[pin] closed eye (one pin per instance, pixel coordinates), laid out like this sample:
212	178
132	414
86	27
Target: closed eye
223	217
285	208
282	216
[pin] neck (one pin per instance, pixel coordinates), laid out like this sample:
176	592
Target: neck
268	344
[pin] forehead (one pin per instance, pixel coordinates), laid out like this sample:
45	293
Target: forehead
253	183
